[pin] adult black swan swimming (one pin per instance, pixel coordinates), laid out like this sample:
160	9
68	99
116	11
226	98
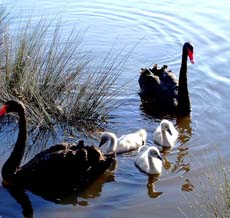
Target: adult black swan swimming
161	92
61	168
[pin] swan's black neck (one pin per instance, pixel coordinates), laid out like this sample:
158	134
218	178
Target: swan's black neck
184	107
13	162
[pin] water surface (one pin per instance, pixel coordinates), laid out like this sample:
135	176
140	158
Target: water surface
157	30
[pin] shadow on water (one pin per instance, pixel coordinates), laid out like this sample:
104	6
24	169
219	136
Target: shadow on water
65	197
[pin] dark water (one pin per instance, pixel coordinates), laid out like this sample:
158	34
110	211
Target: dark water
158	28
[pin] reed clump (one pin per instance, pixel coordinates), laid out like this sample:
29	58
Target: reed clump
55	80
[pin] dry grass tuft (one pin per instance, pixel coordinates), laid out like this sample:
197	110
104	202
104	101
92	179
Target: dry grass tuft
54	78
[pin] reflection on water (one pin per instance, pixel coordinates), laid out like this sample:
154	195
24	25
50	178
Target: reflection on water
163	26
180	165
152	192
167	164
151	110
187	186
22	198
184	126
93	191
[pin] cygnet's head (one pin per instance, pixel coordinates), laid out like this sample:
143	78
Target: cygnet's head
107	137
154	152
165	126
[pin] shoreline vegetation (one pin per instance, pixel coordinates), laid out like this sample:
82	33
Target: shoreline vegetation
55	80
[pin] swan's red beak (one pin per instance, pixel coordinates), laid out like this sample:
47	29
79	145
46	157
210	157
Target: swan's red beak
3	110
190	55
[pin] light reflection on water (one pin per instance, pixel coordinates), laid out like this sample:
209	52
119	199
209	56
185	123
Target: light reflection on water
159	29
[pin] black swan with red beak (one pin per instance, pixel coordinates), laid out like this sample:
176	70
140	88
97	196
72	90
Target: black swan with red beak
161	92
59	169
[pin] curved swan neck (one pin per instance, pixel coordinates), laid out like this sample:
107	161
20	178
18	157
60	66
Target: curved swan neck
183	94
113	143
13	162
151	165
166	141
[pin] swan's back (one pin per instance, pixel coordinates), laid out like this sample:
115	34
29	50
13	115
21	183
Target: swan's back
159	86
70	165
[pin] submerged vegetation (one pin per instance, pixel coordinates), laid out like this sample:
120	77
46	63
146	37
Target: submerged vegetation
55	80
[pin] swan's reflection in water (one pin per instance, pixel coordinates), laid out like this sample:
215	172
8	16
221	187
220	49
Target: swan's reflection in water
152	193
184	127
179	165
22	198
93	191
187	186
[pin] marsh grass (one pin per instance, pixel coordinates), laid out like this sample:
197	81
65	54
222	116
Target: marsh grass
211	198
56	80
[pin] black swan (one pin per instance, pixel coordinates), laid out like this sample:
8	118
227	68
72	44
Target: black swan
60	169
160	90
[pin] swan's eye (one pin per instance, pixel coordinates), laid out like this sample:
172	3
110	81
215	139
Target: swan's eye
153	153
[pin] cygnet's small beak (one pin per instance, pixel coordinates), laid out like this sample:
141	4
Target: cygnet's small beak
159	157
102	142
169	131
